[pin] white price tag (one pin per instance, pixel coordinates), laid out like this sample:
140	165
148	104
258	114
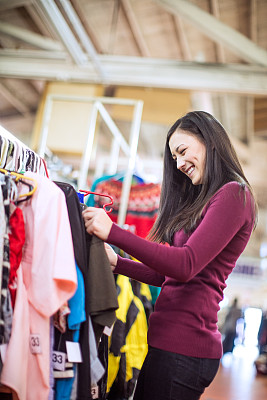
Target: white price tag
35	344
108	331
74	352
59	360
3	349
94	392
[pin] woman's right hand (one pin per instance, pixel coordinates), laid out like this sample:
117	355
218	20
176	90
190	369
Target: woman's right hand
112	256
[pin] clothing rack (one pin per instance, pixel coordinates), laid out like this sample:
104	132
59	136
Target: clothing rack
5	133
8	135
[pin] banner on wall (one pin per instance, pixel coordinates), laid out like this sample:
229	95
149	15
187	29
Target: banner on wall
251	267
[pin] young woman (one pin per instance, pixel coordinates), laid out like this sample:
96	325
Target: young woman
207	213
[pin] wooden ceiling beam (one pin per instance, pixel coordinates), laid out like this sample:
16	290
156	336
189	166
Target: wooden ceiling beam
185	48
82	35
29	37
94	39
62	29
135	28
217	31
13	99
253	21
40	21
219	48
8	4
147	72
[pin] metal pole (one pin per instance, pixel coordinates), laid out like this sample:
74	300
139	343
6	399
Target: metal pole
45	124
114	155
134	137
88	148
114	129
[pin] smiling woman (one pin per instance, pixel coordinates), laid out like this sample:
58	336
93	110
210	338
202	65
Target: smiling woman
207	213
209	162
189	152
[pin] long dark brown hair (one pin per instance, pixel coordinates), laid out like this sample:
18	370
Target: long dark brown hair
181	202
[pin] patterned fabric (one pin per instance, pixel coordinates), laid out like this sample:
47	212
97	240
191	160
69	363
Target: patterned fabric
128	344
2	226
142	207
5	264
7	313
60	318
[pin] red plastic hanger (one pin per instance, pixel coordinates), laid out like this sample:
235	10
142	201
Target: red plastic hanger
100	194
45	166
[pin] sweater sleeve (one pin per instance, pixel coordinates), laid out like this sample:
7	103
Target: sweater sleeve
138	271
225	214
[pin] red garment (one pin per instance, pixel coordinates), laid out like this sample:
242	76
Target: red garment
142	205
16	242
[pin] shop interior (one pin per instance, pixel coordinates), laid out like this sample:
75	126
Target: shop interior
93	86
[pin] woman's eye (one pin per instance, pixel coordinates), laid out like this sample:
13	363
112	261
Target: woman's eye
182	152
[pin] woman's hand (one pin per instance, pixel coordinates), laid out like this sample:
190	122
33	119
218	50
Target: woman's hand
97	222
112	256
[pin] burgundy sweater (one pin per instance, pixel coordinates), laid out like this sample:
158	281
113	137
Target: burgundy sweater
191	273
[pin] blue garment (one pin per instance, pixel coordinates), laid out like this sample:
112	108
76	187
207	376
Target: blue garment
155	291
77	315
81	197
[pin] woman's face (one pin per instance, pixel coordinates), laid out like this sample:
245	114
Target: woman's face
189	154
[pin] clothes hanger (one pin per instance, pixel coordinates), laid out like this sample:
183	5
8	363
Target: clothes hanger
100	194
45	166
4	151
22	178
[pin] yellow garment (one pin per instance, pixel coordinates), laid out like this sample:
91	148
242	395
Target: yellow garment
135	347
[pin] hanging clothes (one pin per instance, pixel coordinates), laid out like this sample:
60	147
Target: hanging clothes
78	233
46	279
128	343
16	241
100	291
5	300
64	379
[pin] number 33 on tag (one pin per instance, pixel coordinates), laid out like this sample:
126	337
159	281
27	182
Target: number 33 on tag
35	344
59	360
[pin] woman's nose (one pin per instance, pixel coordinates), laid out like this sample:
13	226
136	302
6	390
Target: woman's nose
180	163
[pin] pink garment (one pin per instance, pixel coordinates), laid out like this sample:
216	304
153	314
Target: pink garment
49	276
14	373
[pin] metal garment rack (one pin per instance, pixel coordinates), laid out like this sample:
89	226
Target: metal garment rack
23	151
118	142
5	133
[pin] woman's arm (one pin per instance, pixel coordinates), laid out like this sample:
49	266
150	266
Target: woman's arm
138	271
225	216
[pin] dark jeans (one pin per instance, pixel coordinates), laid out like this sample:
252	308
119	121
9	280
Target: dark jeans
170	376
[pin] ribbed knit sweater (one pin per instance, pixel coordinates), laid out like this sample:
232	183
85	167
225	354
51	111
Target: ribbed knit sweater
192	272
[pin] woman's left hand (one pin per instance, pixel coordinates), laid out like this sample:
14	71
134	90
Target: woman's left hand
97	222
